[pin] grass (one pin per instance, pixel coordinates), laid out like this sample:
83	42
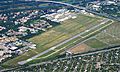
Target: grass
106	38
94	43
56	35
77	40
111	34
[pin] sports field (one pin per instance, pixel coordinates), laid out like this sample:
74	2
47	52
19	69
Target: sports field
66	30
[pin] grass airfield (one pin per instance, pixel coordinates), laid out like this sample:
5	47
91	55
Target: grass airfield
56	35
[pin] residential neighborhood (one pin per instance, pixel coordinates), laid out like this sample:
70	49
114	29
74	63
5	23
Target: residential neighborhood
12	46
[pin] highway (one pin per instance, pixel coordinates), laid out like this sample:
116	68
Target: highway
54	47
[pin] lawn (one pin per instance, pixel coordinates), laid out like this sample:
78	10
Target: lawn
111	35
56	35
94	43
108	37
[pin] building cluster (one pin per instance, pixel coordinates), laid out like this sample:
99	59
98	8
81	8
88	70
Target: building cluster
99	5
11	46
29	22
60	15
87	13
99	61
28	15
23	24
96	5
19	17
33	28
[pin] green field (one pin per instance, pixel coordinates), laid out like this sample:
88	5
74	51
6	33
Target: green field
83	37
55	35
108	37
94	43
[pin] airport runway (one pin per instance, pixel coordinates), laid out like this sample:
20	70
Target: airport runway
54	47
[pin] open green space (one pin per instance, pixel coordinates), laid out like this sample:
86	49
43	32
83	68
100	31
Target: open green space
94	43
55	35
110	36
